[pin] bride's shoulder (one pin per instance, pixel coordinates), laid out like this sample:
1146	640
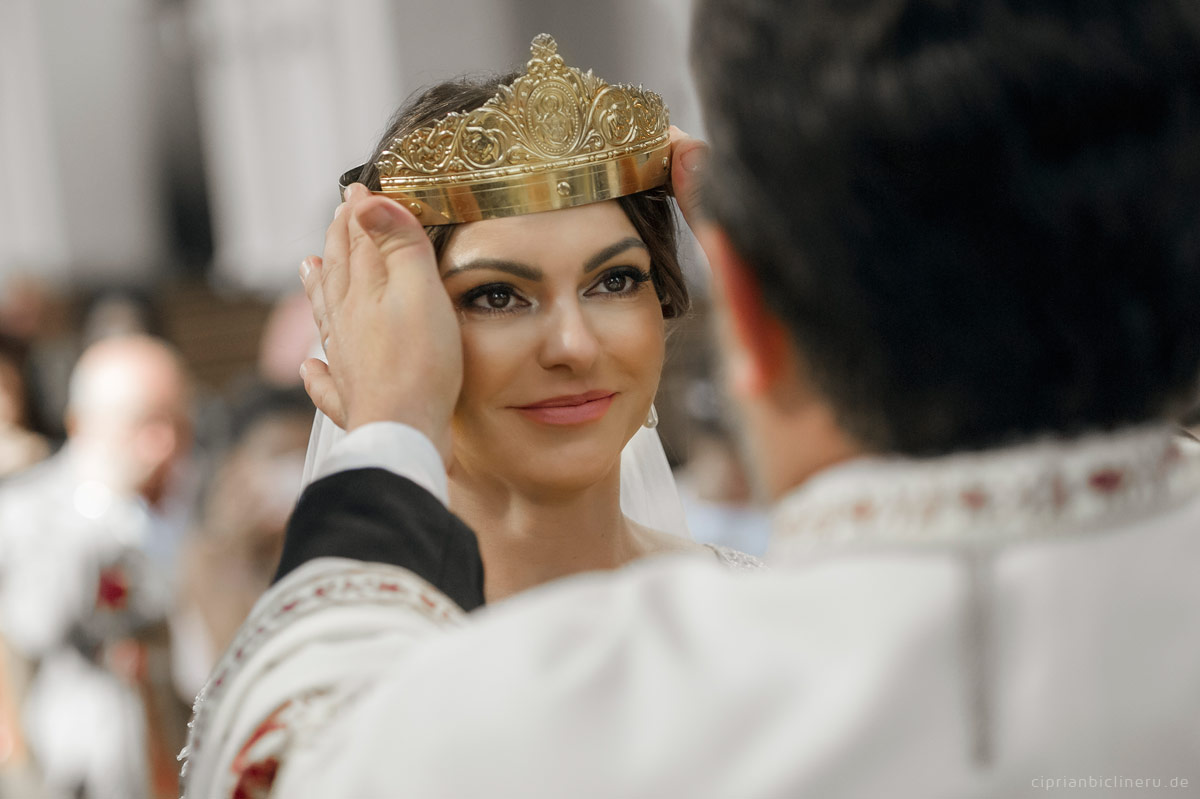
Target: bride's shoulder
656	542
734	558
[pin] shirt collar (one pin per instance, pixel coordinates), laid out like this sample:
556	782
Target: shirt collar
1034	490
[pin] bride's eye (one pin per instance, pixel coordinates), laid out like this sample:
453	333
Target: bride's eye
498	298
622	280
615	283
492	298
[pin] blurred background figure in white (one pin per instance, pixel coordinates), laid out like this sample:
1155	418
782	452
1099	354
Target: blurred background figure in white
91	539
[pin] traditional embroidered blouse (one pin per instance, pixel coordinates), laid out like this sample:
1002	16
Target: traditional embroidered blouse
976	625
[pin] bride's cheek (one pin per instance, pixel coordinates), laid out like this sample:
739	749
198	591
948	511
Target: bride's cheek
492	359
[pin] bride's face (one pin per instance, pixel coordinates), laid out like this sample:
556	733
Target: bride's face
562	344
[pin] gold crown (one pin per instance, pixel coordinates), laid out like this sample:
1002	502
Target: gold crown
557	137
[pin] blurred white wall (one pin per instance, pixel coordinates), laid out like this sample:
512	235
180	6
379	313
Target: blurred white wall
79	186
625	41
290	94
30	205
286	91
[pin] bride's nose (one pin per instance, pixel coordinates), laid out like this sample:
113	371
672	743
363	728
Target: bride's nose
568	340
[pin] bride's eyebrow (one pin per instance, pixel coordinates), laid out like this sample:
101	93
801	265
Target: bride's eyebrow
530	273
514	268
597	260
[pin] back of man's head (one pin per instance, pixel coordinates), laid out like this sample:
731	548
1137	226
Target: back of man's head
980	220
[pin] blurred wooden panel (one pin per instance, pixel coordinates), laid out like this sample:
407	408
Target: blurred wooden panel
217	335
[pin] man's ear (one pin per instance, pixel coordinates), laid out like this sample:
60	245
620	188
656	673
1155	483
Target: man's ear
760	349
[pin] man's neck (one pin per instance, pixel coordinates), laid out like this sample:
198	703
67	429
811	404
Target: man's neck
785	448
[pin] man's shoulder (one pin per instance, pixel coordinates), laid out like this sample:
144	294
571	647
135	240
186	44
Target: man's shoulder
663	656
704	624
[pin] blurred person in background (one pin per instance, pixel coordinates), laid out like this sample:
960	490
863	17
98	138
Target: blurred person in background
35	320
288	338
18	774
715	486
91	540
233	551
20	446
117	312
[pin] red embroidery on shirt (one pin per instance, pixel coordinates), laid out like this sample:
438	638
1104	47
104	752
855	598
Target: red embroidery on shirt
256	781
255	777
1058	493
1106	481
113	591
974	498
863	510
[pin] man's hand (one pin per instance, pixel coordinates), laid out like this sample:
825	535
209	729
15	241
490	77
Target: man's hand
688	157
389	329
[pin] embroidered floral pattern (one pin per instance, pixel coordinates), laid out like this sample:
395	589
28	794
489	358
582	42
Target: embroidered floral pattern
318	586
735	559
1034	490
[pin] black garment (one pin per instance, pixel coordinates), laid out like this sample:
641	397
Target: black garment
377	516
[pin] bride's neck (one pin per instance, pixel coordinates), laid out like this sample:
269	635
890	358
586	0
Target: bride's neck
528	540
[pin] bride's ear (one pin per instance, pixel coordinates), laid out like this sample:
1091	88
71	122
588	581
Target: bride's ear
756	343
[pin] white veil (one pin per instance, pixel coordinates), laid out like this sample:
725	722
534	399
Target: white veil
649	495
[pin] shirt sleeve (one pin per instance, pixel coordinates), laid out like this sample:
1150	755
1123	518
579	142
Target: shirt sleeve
381	497
374	516
402	450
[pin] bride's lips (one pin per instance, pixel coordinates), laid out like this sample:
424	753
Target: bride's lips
571	409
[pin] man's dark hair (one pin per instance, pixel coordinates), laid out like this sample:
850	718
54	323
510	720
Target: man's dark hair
979	220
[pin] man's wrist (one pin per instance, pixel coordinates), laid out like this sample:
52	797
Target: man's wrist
400	448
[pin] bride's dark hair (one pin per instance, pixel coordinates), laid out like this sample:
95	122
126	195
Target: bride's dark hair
649	211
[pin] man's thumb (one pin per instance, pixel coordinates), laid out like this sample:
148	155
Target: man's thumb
689	159
389	225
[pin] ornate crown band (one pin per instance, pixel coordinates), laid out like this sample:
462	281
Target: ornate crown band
557	137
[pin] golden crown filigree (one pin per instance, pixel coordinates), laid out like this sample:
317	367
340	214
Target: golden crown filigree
555	138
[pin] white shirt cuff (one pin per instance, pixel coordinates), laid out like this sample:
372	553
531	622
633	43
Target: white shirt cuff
400	449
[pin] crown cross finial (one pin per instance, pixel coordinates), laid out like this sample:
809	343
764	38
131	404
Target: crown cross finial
554	126
543	47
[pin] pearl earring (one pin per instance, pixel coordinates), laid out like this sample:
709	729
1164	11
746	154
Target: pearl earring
651	418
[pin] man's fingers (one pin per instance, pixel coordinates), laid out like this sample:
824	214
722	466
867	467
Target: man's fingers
319	385
688	159
396	233
369	264
335	277
310	275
